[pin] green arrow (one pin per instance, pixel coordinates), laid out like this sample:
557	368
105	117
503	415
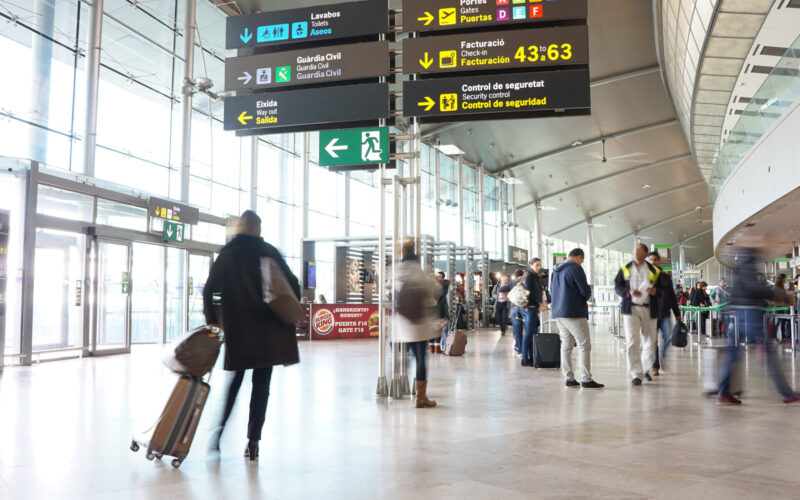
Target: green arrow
426	63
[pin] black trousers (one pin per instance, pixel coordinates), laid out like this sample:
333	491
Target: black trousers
258	400
418	349
501	315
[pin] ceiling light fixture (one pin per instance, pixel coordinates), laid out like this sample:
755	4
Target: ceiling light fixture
576	143
646	186
450	149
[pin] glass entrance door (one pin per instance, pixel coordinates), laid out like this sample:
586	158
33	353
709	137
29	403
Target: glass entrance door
199	266
113	318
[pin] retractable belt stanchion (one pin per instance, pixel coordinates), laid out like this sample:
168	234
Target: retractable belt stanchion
382	389
395	390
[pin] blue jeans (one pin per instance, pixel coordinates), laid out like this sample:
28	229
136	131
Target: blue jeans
665	326
516	325
530	318
751	326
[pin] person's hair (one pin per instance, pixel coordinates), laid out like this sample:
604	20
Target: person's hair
408	247
654	254
249	223
519	273
780	279
534	261
643	247
441	273
576	252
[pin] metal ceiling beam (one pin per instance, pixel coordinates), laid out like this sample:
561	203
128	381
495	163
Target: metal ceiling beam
595	83
651	226
605	178
596	217
590	142
690	238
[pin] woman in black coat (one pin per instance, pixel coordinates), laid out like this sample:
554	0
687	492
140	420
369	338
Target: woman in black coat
255	338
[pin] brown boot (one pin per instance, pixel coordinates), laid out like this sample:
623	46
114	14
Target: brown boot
421	387
432	348
438	349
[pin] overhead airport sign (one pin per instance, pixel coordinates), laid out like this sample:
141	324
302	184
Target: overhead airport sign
310	24
292	108
363	146
170	210
430	15
494	94
307	66
517	255
526	48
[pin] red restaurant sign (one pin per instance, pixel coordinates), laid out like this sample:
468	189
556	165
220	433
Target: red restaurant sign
344	321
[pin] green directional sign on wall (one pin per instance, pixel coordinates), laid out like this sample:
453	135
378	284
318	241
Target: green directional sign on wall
173	231
359	146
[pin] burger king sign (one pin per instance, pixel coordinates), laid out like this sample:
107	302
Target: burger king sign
324	322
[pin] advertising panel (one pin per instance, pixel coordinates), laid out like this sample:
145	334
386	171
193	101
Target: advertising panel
344	321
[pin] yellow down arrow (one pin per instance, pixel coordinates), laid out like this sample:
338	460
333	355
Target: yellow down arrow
428	103
426	63
428	18
244	117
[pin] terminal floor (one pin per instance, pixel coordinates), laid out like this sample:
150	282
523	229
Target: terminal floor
500	431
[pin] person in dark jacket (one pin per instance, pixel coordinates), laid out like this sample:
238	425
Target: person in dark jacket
530	314
501	304
667	307
255	338
442	311
747	298
701	299
636	283
570	294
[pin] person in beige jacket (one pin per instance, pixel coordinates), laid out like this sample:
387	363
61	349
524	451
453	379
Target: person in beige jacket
414	298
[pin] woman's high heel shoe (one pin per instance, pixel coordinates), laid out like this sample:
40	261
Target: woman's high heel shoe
252	450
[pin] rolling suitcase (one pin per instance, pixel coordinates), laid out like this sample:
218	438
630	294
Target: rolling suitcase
172	435
546	350
456	343
711	360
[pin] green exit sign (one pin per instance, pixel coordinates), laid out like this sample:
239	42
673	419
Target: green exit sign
173	231
359	146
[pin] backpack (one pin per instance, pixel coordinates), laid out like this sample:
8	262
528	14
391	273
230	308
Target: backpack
410	303
519	294
680	334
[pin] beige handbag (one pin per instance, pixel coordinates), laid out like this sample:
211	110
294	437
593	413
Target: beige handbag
278	294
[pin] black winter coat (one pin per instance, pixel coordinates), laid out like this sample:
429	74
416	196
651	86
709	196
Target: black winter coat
442	307
233	297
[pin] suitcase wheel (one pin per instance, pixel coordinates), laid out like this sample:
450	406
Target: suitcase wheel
150	456
159	456
176	462
134	446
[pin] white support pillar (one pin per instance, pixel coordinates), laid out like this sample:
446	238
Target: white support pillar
417	174
460	201
438	192
539	242
187	90
92	86
482	208
254	173
514	213
590	235
502	215
306	166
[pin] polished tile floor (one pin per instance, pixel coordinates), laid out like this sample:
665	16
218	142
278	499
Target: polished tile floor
500	431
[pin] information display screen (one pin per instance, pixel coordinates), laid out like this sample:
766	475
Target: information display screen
491	94
524	48
310	24
430	15
307	66
273	110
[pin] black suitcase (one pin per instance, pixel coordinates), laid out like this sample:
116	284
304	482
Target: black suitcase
546	350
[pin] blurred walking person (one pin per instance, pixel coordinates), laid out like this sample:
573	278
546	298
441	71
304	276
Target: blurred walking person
516	316
748	296
667	306
255	337
501	304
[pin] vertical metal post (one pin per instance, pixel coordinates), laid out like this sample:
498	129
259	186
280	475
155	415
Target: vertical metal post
590	235
438	184
395	389
254	173
382	388
502	215
481	208
460	201
187	90
403	347
514	213
306	155
347	203
42	49
417	174
92	85
539	246
28	263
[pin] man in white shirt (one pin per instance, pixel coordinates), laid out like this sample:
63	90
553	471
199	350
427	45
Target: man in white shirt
636	283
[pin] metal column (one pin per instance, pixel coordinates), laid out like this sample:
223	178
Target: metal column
92	85
382	388
513	214
304	208
438	189
502	214
28	263
591	252
481	208
395	389
460	201
254	173
539	245
417	174
188	91
42	49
